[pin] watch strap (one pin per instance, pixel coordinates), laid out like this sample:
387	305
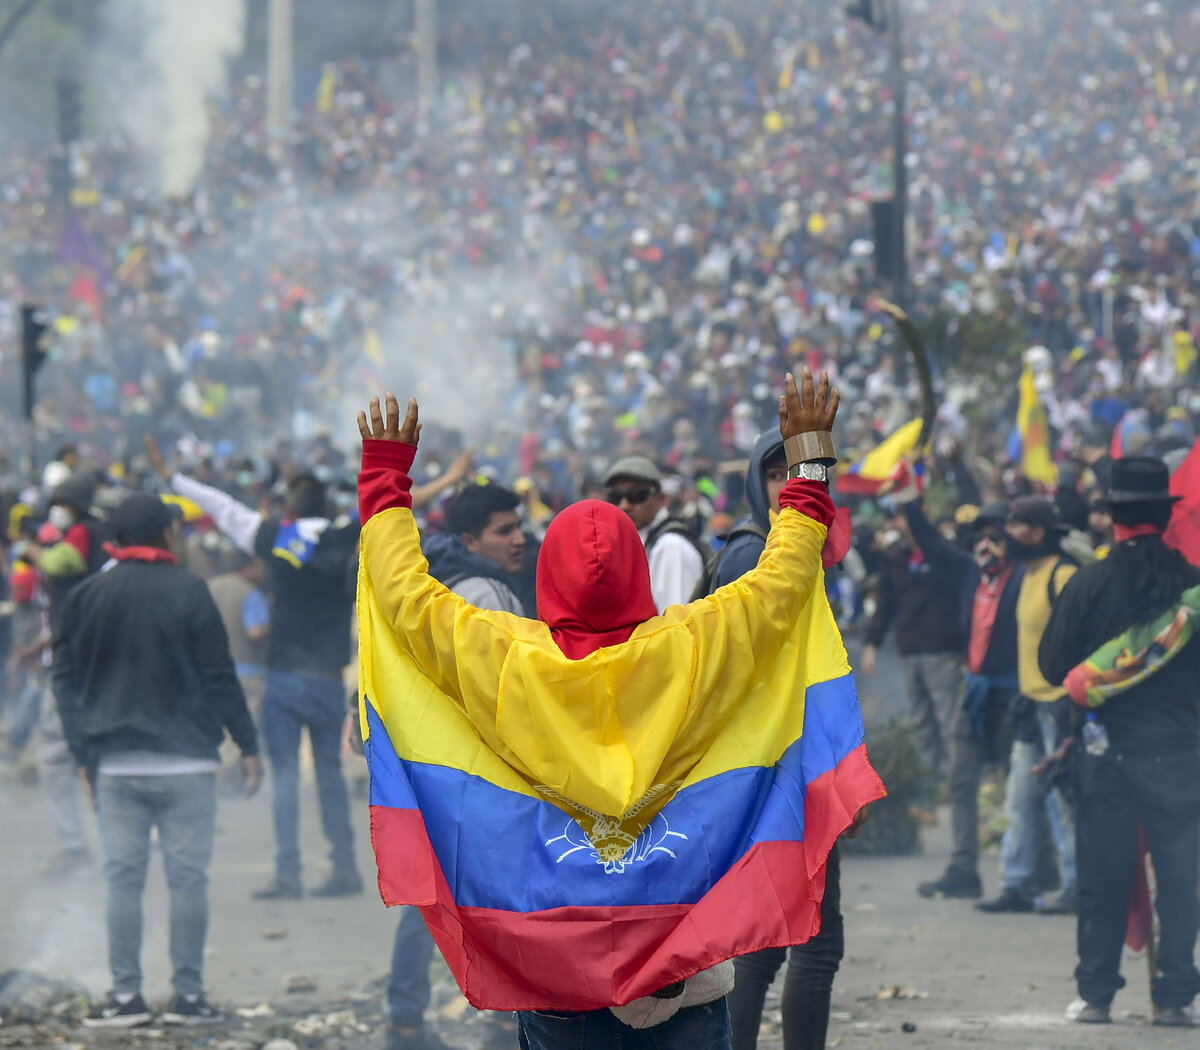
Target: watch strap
811	470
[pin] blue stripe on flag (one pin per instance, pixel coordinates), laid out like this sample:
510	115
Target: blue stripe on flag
527	855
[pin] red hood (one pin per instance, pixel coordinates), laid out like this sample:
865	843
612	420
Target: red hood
593	581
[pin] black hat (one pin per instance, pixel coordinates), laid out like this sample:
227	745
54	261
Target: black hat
142	518
77	490
993	513
1139	479
1038	512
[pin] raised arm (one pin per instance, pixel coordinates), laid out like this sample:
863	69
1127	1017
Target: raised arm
756	613
239	522
935	547
450	640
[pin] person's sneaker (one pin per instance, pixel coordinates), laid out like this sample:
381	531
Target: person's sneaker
1082	1012
413	1039
953	883
279	889
1065	903
191	1010
339	884
1176	1017
1008	901
119	1011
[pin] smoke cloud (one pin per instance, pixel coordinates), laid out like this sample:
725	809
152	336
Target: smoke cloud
163	63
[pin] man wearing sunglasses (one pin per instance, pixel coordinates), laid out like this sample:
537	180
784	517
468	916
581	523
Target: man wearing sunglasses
634	485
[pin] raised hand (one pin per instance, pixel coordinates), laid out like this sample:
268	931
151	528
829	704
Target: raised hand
807	408
386	426
154	454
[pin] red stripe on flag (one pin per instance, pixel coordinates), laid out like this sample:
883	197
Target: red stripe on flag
587	958
848	484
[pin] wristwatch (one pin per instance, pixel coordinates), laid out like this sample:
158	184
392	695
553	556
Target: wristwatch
810	470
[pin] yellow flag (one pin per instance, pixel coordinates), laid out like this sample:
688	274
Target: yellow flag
788	72
325	89
1034	429
372	347
1185	352
631	137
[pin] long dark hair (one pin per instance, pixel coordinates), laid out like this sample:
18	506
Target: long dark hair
1155	576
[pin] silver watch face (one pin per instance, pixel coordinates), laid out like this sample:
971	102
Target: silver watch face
812	471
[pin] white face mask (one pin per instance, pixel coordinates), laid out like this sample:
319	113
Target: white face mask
62	518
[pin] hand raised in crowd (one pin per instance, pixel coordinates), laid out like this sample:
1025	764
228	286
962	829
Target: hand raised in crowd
154	454
252	774
807	408
460	466
389	428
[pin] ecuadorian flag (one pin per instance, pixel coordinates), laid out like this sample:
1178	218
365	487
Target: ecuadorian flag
580	833
879	465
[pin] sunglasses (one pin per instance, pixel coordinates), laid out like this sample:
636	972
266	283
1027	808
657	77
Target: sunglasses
633	497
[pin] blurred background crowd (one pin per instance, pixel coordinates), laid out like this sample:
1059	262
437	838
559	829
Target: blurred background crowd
614	236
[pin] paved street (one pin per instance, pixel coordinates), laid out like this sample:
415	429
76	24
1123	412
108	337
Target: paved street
950	974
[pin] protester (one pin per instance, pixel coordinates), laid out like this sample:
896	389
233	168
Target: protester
634	484
918	598
808	986
246	617
1034	537
1137	751
594	592
146	688
476	559
990	583
311	561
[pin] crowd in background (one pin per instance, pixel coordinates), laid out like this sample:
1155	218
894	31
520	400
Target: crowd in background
623	231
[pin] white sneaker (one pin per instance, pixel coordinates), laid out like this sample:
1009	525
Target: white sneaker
1083	1012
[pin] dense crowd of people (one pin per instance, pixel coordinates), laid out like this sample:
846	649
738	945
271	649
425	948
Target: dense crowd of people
598	208
593	256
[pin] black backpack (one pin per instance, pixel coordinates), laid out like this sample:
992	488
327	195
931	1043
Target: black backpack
709	559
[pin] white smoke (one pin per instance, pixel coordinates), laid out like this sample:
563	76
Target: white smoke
165	62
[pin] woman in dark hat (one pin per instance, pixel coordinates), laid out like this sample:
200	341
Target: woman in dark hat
1142	764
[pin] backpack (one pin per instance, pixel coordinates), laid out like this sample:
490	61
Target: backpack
1053	590
705	584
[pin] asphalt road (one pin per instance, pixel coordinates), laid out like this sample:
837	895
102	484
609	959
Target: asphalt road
917	973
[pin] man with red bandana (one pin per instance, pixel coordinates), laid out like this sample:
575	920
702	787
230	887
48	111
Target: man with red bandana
594	594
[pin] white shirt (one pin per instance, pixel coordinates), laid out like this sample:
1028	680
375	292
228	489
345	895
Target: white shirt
675	565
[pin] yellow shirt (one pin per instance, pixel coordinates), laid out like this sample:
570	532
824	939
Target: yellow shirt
1033	613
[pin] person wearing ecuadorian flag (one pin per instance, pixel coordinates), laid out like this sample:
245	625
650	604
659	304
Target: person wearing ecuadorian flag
594	811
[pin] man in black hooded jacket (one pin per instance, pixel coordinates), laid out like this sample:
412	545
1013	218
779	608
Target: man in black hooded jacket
1142	763
808	986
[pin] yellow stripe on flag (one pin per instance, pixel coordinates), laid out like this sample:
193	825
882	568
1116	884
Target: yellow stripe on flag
881	461
373	348
1034	428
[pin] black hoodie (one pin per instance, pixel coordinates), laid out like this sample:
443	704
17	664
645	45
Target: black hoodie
745	546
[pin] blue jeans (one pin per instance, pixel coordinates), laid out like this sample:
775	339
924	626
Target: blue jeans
408	989
1023	794
808	986
293	701
696	1028
184	809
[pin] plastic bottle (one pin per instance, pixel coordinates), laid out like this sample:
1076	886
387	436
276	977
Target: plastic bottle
1095	736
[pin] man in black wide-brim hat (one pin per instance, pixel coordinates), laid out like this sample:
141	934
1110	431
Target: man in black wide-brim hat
1137	755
